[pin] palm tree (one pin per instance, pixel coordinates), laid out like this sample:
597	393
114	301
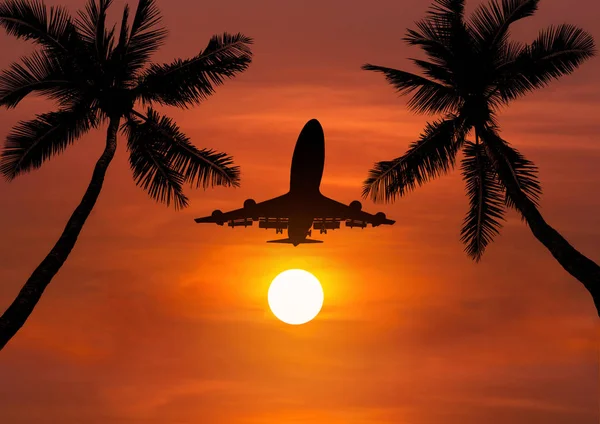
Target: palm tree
97	75
472	70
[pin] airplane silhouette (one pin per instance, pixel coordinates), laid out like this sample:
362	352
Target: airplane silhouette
303	206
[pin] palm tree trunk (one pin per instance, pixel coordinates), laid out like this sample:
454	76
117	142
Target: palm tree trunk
575	263
18	312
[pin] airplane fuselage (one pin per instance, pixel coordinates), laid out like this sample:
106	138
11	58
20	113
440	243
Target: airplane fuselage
308	162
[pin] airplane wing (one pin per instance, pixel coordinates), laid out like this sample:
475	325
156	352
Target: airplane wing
329	209
276	209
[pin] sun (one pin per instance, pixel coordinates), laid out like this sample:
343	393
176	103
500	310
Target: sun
295	296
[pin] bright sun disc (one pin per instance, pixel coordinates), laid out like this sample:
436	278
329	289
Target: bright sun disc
295	296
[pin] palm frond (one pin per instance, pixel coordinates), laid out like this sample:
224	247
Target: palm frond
435	71
444	18
31	20
557	51
434	154
147	16
135	48
91	26
39	73
117	54
512	168
445	38
198	167
491	21
433	37
124	32
430	96
443	15
492	73
31	143
146	35
151	166
486	200
447	9
186	82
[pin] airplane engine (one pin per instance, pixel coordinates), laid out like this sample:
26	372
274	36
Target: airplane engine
249	205
216	215
356	206
240	223
380	217
278	224
352	223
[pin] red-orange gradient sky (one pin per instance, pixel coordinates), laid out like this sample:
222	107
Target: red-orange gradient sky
157	320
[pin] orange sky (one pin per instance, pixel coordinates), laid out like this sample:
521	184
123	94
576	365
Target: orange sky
157	320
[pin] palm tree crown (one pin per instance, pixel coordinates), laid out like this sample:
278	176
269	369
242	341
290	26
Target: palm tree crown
472	69
95	73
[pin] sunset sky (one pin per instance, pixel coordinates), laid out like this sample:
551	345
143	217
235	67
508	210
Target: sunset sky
157	320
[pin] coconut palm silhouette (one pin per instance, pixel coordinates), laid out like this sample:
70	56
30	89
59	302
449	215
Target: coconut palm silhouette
98	75
472	70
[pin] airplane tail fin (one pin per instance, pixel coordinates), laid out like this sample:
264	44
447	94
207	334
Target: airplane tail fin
288	241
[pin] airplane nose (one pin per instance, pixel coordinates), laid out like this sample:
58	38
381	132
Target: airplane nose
313	123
